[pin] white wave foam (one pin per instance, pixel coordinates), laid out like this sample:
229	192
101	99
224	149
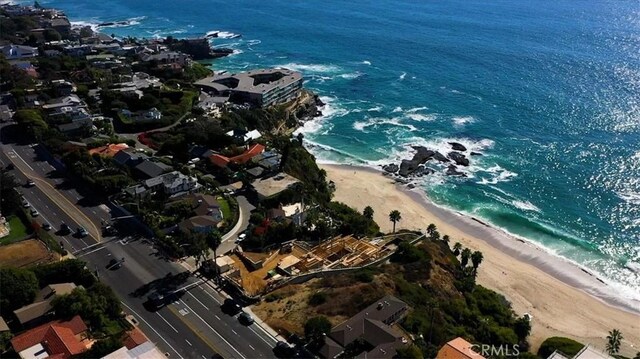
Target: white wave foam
375	109
310	67
397	109
350	76
416	109
92	24
222	34
330	110
360	125
421	118
526	206
402	76
463	120
366	62
630	197
379	121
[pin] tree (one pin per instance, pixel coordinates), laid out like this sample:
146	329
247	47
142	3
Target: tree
446	238
431	228
435	235
395	217
9	197
368	212
214	239
457	247
316	327
464	258
19	287
31	122
522	328
476	259
613	341
567	346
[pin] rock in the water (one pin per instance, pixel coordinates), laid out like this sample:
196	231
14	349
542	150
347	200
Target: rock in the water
440	157
459	158
411	186
457	146
476	154
422	154
319	102
422	171
407	167
391	168
452	170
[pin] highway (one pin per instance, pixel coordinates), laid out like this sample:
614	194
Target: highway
191	327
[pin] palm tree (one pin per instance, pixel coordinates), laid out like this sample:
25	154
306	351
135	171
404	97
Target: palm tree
446	238
613	341
395	217
213	240
435	235
368	212
431	228
457	247
476	259
464	258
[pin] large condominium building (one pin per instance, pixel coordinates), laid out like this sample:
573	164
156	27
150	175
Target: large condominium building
260	88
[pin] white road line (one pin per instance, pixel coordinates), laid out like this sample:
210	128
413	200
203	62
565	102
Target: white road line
212	297
95	250
260	336
188	343
174	329
215	331
251	346
234	332
25	162
152	328
217	317
198	300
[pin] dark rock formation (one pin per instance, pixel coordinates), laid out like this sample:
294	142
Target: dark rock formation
459	158
422	171
391	168
422	154
452	170
319	102
407	167
476	154
457	146
440	157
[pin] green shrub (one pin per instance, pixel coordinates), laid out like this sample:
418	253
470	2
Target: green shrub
318	298
566	346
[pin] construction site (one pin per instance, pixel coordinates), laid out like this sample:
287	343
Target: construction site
258	273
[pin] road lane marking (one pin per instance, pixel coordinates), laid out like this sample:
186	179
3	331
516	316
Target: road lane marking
93	251
188	343
152	328
212	297
217	317
21	159
213	330
198	300
234	332
260	336
172	327
251	346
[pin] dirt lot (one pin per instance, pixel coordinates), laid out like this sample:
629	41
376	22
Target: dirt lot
26	253
254	282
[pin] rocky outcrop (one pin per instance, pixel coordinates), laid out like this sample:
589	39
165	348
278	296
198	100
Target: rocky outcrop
459	158
452	170
421	156
407	167
457	146
391	168
476	153
440	157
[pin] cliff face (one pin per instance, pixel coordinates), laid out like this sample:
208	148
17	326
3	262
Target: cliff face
199	49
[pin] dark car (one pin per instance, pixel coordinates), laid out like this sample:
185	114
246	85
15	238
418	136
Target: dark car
157	300
10	166
231	307
30	183
245	318
64	229
81	232
46	226
284	350
114	264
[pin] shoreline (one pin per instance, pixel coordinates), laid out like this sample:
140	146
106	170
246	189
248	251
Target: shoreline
549	287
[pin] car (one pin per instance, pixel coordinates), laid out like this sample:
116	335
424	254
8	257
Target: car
284	350
231	307
30	183
245	318
81	232
10	166
34	213
25	204
46	226
114	264
242	236
64	228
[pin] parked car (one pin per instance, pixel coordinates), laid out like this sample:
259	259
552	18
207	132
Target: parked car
34	213
64	229
30	183
245	318
81	232
284	350
10	166
25	204
46	226
231	307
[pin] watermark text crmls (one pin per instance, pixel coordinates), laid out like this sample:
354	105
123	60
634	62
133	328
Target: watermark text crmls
490	350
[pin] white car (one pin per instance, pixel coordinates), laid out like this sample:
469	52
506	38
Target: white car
34	213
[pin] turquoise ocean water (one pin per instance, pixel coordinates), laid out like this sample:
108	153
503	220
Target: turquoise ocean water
548	91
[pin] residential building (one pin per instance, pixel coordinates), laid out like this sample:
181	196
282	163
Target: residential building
374	326
110	150
65	101
259	88
58	339
63	87
171	183
150	115
244	135
129	157
222	161
146	350
150	169
3	326
458	348
587	352
42	303
171	59
199	224
271	186
18	52
60	24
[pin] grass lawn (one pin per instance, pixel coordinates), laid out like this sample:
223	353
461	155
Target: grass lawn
18	231
225	208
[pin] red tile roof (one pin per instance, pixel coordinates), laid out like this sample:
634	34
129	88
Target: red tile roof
222	161
133	338
219	160
109	150
58	338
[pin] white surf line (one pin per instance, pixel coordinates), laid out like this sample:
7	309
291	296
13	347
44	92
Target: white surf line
198	300
215	331
152	328
169	324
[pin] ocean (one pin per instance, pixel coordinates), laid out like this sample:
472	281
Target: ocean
547	91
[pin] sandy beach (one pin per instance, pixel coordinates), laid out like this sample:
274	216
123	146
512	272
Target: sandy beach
563	299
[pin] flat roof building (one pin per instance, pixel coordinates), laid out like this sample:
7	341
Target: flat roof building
259	88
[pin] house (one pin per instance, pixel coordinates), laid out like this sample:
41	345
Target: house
150	115
168	59
69	146
149	169
75	127
60	24
110	150
129	157
27	67
147	350
244	136
259	88
3	326
205	205
171	183
42	303
199	224
372	325
18	52
271	186
458	348
58	339
295	212
65	101
63	87
587	352
222	161
224	264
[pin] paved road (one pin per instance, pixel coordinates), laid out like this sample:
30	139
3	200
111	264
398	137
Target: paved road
229	239
192	327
